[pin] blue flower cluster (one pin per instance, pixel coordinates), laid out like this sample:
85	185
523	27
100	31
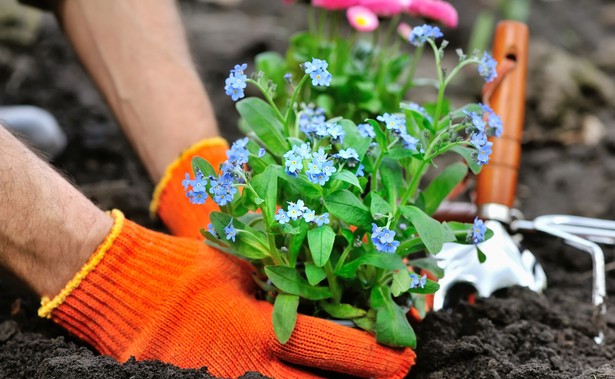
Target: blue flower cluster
236	82
317	69
309	117
319	168
195	188
479	129
420	34
383	239
366	130
397	125
313	124
417	281
298	210
478	231
486	67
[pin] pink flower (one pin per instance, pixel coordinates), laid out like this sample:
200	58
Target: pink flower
334	4
385	8
362	19
404	30
436	10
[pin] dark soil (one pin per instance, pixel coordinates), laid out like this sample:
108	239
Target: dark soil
568	166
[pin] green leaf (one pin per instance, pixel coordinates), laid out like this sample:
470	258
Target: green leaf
481	256
347	206
285	316
381	138
401	282
314	273
263	120
354	139
325	102
368	322
442	185
379	208
401	153
432	233
203	166
392	327
392	179
348	177
266	186
249	242
428	263
296	242
468	154
430	287
300	184
342	311
320	241
386	261
289	280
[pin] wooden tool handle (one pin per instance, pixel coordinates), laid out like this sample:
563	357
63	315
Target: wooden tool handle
497	181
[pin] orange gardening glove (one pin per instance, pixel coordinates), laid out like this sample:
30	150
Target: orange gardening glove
154	296
170	202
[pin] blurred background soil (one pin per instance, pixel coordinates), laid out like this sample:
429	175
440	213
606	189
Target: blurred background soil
568	166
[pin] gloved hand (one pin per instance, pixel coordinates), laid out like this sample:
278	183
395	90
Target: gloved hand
154	296
170	202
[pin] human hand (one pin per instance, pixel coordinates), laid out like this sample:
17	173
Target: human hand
154	296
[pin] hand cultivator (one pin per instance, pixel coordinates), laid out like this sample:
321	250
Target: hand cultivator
507	263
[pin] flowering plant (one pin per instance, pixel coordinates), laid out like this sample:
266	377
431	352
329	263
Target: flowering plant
326	195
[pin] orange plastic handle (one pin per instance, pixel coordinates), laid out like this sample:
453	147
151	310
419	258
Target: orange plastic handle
497	181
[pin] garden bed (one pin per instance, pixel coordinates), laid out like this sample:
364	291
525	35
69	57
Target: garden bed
567	167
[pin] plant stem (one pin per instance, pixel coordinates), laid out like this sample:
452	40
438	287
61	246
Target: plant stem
412	69
267	97
343	257
374	182
332	280
292	101
442	85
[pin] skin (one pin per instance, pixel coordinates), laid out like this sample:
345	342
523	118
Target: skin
137	54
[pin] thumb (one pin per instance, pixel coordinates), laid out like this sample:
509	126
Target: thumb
325	345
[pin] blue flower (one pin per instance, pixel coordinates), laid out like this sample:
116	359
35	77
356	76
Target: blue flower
322	219
393	122
320	155
315	65
360	172
350	155
383	239
420	34
293	163
238	154
482	156
211	229
318	178
230	231
288	77
196	197
240	68
321	78
335	131
236	82
410	142
493	120
261	152
304	150
282	217
327	168
477	120
295	210
478	139
366	130
416	281
309	215
478	231
486	67
317	69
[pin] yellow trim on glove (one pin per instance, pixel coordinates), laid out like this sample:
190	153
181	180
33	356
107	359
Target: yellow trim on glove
168	174
47	306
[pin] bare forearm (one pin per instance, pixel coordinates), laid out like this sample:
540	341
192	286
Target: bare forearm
47	228
137	53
